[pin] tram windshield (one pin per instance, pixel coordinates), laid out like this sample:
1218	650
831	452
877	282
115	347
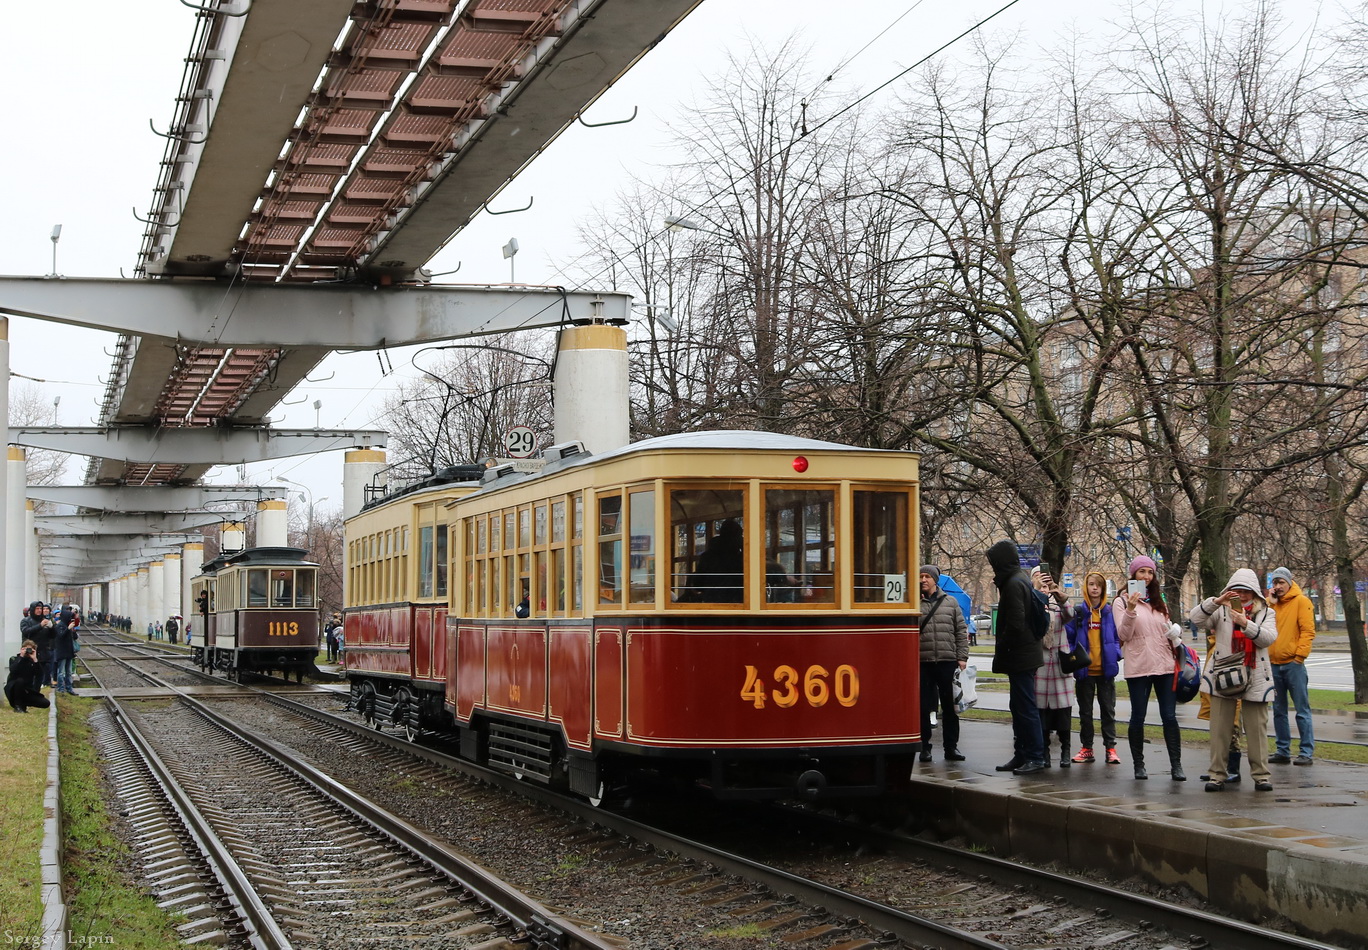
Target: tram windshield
800	546
707	528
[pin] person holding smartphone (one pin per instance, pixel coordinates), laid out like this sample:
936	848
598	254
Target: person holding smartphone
1148	636
23	686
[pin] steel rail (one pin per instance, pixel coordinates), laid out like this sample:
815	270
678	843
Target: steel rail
263	930
1203	925
544	927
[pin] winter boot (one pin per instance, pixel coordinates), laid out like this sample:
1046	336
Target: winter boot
1137	747
1064	760
1173	739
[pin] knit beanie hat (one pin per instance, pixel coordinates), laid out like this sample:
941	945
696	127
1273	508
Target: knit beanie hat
1140	561
1282	572
932	570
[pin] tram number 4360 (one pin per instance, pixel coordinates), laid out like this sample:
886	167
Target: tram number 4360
282	628
818	686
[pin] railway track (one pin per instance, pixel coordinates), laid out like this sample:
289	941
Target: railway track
851	883
257	848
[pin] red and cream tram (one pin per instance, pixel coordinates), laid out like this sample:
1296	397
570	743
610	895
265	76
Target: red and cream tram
737	608
258	611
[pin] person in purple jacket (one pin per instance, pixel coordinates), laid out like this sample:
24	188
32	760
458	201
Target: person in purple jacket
1093	626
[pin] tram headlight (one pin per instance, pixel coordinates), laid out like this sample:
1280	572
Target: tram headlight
800	464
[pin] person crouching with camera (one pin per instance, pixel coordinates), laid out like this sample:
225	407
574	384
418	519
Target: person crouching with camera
1237	669
23	687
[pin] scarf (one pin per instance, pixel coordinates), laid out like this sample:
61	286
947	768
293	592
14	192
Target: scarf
1239	643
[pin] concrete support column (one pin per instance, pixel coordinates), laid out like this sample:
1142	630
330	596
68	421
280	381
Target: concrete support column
590	388
272	527
171	587
192	559
16	545
360	467
156	589
35	578
234	537
139	612
11	614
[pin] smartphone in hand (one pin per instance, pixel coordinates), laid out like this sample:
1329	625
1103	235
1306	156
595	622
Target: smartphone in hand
1134	586
1045	571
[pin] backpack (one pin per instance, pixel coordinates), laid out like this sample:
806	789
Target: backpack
1037	616
1187	673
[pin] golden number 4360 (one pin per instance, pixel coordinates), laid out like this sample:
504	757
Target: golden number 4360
818	686
282	628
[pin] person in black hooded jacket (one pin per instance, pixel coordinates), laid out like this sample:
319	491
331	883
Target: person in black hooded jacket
1018	654
39	628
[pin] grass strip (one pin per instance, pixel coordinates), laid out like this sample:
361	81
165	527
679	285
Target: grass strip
1335	751
105	903
23	777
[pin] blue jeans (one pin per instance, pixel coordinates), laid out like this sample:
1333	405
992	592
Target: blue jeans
1139	689
1027	742
63	675
1291	678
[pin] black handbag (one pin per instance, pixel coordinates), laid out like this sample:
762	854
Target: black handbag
1071	661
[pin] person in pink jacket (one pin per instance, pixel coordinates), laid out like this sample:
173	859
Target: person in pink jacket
1245	626
1147	636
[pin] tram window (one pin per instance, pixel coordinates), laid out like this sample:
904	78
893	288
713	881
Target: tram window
540	522
282	588
442	565
257	585
480	528
577	578
641	511
610	549
707	554
880	555
524	527
425	561
304	588
800	546
557	522
510	541
558	580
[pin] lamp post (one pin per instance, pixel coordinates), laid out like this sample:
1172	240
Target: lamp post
308	535
56	236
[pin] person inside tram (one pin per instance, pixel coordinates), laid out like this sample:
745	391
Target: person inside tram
719	575
781	587
524	608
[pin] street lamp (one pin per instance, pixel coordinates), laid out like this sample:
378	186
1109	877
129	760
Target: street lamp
291	481
56	236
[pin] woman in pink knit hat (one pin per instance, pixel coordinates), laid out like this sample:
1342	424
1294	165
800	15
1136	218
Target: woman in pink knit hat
1147	636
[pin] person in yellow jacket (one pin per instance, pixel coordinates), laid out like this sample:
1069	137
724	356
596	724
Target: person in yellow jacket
1296	631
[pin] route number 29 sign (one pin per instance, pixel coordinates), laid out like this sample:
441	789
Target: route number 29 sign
520	442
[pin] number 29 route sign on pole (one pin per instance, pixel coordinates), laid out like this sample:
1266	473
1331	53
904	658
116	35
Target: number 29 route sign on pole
520	442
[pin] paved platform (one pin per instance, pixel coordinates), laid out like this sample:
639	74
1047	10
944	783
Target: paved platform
1299	851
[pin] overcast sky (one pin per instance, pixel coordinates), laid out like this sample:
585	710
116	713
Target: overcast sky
81	80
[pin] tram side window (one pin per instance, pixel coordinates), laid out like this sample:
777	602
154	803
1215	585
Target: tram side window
282	588
610	549
304	588
880	556
441	560
257	586
642	514
800	546
425	561
707	560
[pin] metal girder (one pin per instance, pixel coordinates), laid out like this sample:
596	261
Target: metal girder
129	524
216	445
307	315
116	543
251	97
600	41
152	497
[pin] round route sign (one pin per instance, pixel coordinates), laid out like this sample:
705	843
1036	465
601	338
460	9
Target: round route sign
520	442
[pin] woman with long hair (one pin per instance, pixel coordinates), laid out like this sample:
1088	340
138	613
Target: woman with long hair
1147	637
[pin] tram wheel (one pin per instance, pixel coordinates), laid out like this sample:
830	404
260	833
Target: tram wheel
365	705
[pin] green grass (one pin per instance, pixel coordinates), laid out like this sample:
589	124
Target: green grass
1335	699
104	904
23	775
1336	751
739	932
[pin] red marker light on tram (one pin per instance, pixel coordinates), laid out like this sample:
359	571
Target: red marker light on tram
800	464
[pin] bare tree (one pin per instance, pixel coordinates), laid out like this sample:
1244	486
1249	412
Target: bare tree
471	393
